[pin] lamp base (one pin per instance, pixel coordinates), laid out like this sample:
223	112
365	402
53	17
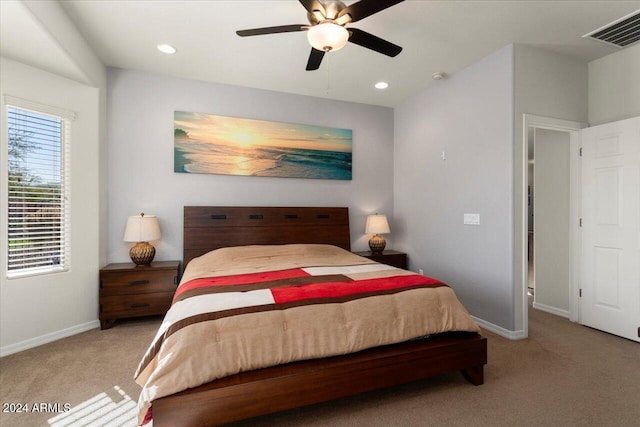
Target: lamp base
142	253
377	244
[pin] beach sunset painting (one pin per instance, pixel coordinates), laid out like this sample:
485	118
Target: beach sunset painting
206	143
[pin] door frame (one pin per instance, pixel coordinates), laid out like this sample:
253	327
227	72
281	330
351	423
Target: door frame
531	121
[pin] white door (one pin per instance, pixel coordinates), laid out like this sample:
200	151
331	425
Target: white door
611	228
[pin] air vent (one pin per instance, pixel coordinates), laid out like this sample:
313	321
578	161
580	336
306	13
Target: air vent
621	33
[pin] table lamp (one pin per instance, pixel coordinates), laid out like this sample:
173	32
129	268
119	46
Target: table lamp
141	229
377	224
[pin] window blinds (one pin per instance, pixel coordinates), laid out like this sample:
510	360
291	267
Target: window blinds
37	196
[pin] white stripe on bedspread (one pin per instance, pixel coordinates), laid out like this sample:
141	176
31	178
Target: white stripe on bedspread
347	269
229	300
214	302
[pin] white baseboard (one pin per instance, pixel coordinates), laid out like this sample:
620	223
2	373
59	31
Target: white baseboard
552	310
94	324
47	338
499	330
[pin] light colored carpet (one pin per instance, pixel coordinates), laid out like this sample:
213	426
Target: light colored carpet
563	375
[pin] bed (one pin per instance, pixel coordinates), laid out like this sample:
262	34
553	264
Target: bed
247	393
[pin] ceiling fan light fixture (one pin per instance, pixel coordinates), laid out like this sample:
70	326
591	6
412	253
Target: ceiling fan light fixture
327	36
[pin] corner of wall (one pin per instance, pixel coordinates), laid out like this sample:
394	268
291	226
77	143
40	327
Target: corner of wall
614	86
431	193
55	20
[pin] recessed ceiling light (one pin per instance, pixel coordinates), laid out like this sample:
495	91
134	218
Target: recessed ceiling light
382	85
167	48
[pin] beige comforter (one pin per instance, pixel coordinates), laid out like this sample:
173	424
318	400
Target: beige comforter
244	308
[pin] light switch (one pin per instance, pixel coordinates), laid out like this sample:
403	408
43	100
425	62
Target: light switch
472	219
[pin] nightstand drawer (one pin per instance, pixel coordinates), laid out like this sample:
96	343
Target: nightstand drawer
135	305
392	258
143	282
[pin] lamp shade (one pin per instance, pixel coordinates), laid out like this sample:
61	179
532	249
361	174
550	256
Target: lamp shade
142	228
377	224
327	36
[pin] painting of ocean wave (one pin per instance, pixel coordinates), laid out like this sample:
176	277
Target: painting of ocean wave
206	143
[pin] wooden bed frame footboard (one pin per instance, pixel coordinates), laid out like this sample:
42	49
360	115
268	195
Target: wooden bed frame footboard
269	390
264	391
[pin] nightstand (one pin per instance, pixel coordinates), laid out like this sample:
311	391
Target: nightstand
130	291
393	258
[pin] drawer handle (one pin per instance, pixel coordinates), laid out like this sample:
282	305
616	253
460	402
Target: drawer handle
139	282
139	305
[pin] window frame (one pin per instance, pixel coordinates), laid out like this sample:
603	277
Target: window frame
66	118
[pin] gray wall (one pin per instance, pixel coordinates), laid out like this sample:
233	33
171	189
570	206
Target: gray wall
66	303
140	149
469	117
475	117
546	84
614	86
41	308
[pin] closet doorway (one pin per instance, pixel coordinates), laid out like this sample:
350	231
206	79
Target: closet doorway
549	221
550	212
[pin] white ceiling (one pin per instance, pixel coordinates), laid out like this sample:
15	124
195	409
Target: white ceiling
436	36
23	39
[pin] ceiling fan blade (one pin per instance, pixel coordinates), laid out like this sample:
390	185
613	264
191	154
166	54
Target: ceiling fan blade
364	39
313	5
315	58
364	8
271	30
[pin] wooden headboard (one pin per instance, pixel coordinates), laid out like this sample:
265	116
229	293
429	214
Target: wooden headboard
211	227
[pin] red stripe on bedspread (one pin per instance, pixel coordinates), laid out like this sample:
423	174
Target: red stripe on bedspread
240	279
148	416
340	289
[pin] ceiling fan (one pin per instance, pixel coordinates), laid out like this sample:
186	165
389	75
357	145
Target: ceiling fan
326	31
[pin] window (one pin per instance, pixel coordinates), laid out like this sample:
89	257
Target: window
37	189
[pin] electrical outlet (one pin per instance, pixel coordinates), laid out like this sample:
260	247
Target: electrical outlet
421	272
